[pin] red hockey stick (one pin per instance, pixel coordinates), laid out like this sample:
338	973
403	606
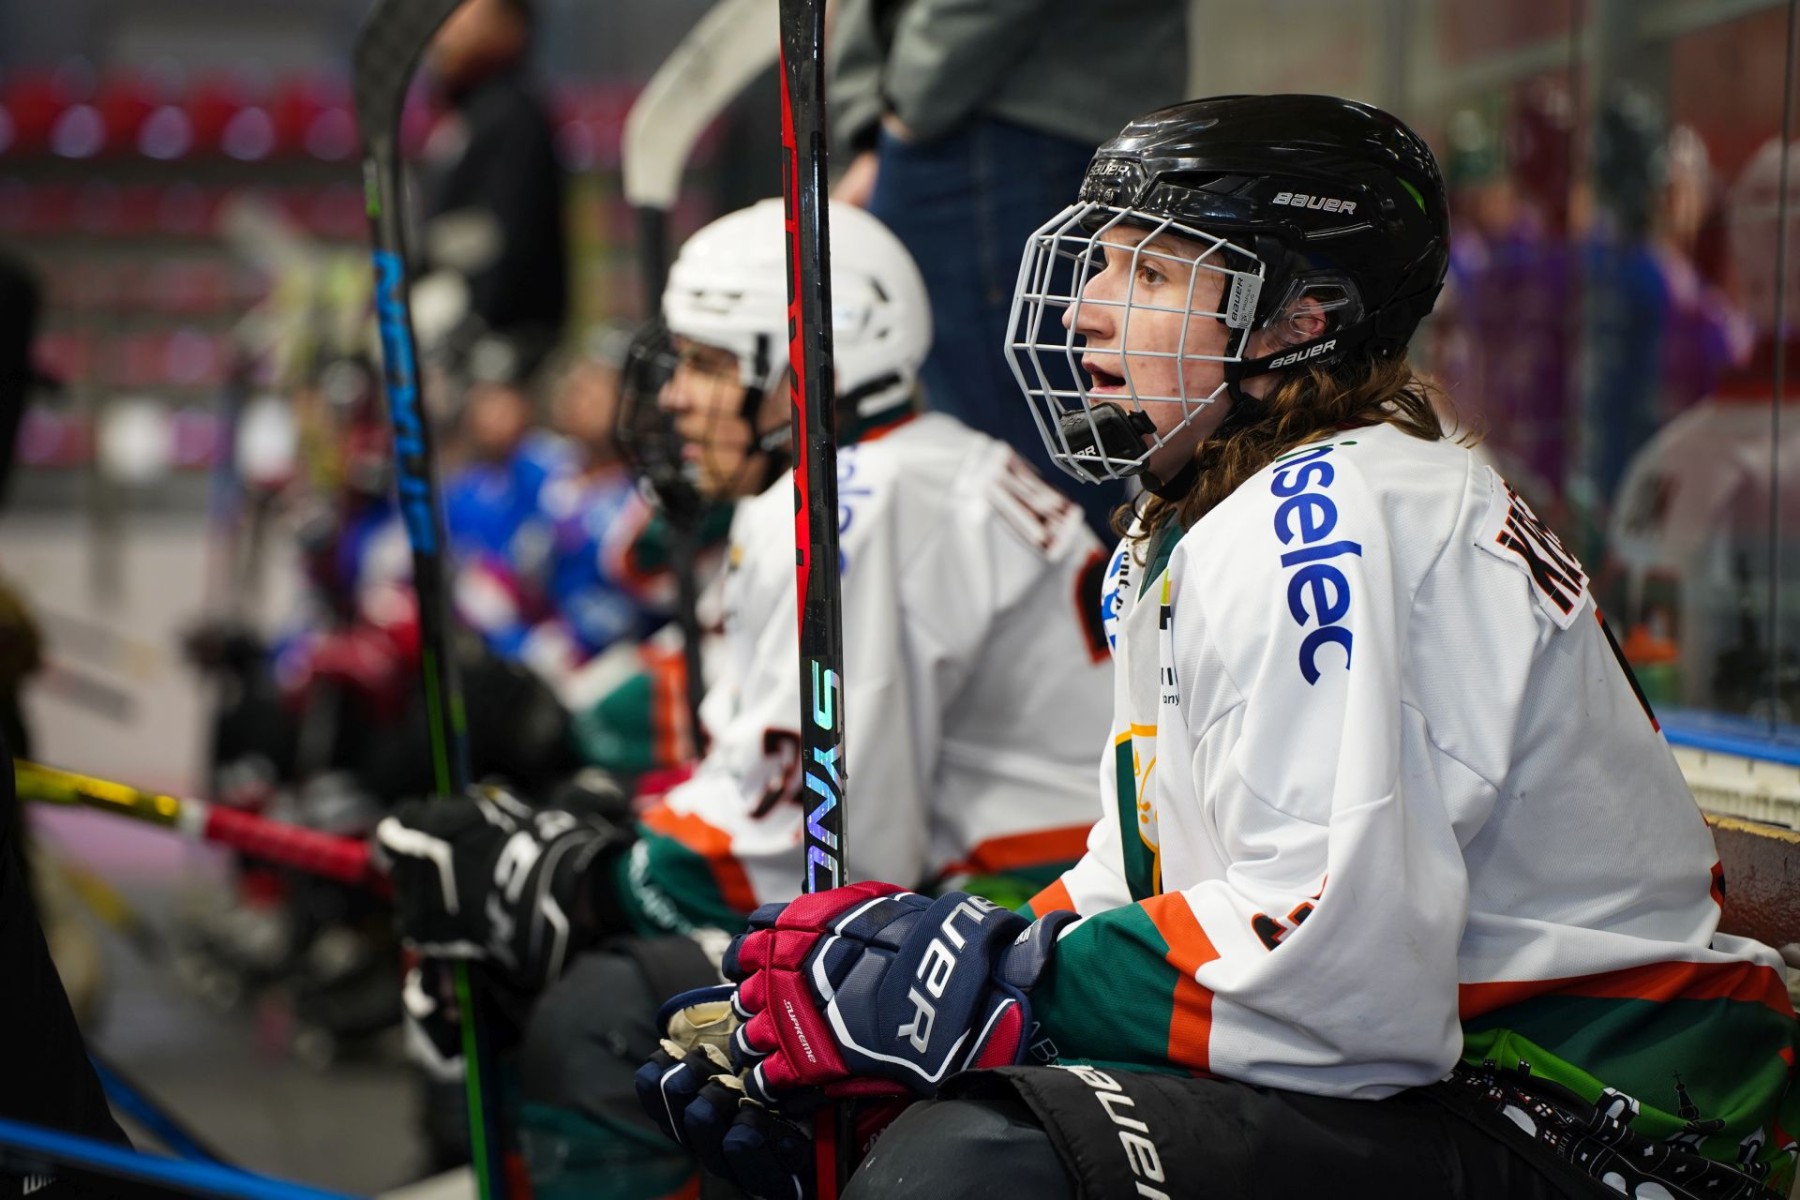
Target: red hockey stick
345	859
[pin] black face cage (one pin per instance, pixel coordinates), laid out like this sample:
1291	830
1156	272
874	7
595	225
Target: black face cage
644	431
1061	262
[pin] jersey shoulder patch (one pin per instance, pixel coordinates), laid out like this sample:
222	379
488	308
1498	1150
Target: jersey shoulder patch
1511	532
1042	517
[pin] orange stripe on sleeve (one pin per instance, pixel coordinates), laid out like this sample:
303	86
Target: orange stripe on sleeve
1038	848
1659	982
1190	1024
1054	898
710	843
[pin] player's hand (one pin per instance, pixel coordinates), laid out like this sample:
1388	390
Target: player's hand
697	1098
857	184
869	990
896	128
431	1024
365	660
485	876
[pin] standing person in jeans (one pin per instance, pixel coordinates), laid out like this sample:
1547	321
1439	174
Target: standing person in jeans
964	124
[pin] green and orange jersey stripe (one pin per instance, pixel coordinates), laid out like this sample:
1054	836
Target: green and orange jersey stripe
682	875
1053	898
1724	1031
1139	959
1122	990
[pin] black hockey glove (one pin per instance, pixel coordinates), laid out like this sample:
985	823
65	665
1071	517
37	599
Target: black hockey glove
485	876
432	1025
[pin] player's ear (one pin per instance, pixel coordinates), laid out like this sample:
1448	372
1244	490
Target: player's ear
1304	321
1300	321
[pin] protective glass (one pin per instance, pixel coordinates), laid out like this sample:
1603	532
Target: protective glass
1163	361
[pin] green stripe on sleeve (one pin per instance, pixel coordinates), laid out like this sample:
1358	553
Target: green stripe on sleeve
1108	995
663	887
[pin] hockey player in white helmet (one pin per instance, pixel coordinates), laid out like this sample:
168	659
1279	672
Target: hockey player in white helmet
976	683
1395	889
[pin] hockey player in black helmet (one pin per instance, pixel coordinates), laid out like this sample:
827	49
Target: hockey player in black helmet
1395	889
1256	235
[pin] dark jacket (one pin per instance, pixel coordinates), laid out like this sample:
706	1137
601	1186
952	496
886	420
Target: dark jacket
1079	68
494	211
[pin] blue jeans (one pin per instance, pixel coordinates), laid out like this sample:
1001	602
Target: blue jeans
964	205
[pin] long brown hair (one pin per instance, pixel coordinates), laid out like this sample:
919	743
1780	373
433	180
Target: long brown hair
1301	408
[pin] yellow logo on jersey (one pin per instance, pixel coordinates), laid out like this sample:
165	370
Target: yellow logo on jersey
1136	753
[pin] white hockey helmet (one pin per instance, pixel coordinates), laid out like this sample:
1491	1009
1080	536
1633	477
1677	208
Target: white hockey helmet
728	288
1753	223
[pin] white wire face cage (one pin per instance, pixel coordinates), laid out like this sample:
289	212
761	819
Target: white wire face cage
1045	348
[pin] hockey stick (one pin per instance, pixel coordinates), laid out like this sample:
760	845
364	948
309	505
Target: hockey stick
129	1097
332	856
387	51
40	1155
821	605
727	49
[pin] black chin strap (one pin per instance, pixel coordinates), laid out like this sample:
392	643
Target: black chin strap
1118	433
1110	430
849	404
1179	485
776	447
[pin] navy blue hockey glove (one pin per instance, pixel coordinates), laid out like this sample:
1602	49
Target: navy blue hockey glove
697	1099
486	876
869	990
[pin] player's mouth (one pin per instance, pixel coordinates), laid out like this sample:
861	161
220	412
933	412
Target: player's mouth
1102	381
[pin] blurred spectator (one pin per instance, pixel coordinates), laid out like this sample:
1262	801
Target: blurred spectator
493	190
589	507
1692	540
494	513
1657	337
970	126
1509	286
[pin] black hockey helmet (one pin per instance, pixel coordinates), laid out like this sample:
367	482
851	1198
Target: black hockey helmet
1317	186
1288	196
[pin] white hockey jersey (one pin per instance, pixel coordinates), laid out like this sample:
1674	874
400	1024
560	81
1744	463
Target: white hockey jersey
1380	795
976	684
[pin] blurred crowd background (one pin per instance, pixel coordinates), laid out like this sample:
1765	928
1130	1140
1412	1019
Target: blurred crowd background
181	179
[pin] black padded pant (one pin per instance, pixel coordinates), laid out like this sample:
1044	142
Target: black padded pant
1233	1142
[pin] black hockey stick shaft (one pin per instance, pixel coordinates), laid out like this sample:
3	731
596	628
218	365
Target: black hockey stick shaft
387	51
653	257
684	533
805	192
815	441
